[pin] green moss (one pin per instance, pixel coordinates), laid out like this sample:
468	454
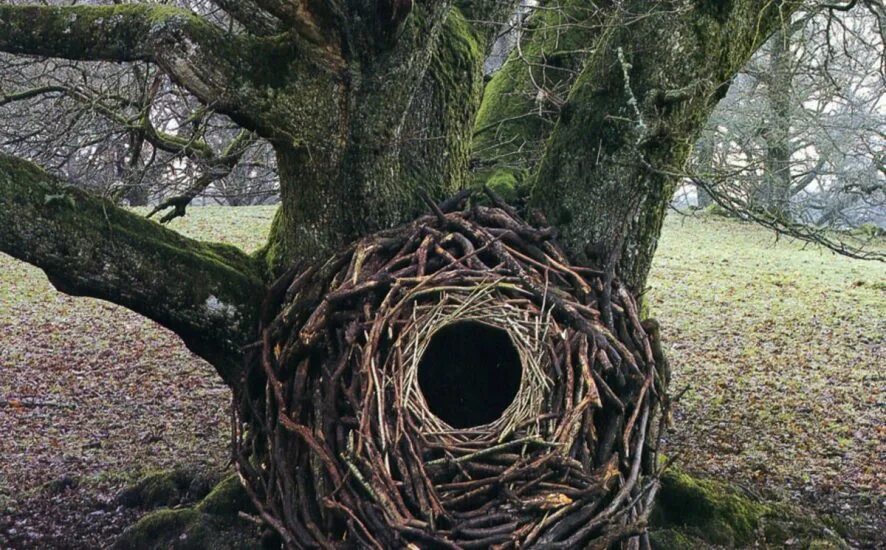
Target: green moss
160	489
513	120
70	31
455	78
672	539
460	40
168	488
158	529
226	499
717	512
213	523
187	528
695	513
271	255
506	183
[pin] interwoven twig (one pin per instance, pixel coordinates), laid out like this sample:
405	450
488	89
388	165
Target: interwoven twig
338	447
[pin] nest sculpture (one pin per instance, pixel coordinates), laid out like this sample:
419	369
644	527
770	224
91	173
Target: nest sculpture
452	383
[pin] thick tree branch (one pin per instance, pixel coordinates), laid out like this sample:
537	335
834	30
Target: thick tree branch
206	293
634	112
196	54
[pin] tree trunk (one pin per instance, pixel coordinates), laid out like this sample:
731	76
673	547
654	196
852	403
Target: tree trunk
612	159
395	138
704	163
774	194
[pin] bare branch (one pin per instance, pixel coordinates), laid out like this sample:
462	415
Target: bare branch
218	168
735	204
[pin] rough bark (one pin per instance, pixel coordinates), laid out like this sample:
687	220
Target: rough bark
405	122
630	119
207	293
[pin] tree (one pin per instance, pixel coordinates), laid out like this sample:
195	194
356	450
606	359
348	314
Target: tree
128	132
370	105
797	143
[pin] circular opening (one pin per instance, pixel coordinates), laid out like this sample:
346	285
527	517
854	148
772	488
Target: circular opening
469	373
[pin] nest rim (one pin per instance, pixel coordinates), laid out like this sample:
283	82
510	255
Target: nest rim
534	382
327	424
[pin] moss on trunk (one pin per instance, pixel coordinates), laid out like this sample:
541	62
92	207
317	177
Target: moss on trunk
631	119
207	293
400	130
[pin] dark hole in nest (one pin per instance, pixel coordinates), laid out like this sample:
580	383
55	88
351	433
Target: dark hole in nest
469	374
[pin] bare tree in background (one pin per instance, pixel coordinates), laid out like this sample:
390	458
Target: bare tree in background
798	143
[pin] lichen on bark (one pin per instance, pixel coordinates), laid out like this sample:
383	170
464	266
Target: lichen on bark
626	130
207	293
400	130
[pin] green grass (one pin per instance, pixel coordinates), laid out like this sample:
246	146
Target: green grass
781	349
246	227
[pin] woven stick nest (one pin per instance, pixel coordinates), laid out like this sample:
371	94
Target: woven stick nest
339	445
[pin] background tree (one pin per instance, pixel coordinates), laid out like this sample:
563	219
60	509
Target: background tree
127	132
797	142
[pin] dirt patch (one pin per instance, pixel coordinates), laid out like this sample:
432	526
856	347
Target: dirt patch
94	393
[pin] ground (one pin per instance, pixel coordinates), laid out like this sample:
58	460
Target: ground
780	352
780	347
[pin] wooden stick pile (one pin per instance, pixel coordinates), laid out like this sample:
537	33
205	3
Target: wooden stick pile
335	441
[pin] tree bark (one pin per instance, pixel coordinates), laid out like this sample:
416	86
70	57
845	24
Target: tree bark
630	119
206	293
405	126
522	102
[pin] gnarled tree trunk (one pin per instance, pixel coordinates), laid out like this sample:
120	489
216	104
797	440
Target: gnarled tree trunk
370	103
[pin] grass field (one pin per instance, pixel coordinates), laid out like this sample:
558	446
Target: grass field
778	352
